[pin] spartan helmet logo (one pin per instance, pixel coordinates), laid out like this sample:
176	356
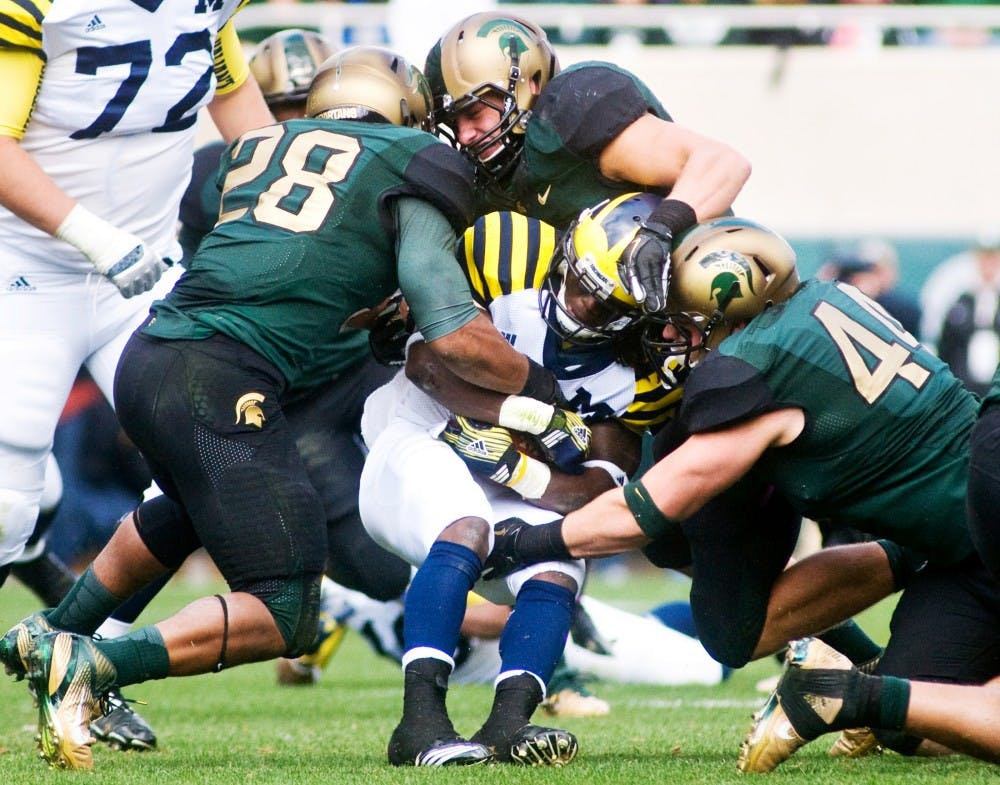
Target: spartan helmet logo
733	280
248	409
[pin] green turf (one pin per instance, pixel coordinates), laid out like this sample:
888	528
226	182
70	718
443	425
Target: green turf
239	728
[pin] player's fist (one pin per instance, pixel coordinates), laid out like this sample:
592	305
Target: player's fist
645	266
566	441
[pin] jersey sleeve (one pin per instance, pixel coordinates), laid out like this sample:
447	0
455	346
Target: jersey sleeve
429	277
441	175
652	406
21	62
590	105
723	390
506	252
231	66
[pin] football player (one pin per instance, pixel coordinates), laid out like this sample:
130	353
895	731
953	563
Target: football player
808	399
89	193
562	303
551	143
321	220
326	420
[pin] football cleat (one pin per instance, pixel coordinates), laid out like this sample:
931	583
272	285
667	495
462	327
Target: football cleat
575	703
533	745
448	749
68	674
121	727
18	642
856	743
780	727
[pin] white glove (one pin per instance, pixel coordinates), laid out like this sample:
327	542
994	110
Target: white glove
120	256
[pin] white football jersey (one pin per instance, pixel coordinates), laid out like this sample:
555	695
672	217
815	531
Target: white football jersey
113	123
597	386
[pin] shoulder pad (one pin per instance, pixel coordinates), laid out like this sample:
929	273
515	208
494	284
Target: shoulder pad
444	177
506	252
723	390
590	104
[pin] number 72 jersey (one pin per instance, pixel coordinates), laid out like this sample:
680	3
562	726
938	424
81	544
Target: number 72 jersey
113	117
885	444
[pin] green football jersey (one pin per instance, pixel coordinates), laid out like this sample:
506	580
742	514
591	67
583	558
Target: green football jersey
579	113
306	239
885	445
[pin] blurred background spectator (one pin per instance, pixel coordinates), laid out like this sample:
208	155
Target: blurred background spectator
962	296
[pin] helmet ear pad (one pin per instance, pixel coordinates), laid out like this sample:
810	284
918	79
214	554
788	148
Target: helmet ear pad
370	83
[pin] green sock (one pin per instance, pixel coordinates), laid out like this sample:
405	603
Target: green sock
138	656
894	700
86	606
851	641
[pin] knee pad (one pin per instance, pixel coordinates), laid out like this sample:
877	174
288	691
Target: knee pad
294	605
166	531
18	513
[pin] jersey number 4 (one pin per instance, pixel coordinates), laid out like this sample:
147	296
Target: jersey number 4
300	198
892	359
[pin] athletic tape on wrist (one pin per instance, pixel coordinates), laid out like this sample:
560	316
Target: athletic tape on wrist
531	478
520	413
649	517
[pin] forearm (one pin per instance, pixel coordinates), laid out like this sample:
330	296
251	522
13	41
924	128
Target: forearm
426	369
710	180
479	355
241	110
27	191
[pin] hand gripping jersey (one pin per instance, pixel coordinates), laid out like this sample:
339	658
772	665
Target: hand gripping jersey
306	239
582	110
506	256
114	114
885	447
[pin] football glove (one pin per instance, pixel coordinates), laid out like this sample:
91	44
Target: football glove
566	441
390	331
562	436
645	265
120	256
489	450
645	262
504	560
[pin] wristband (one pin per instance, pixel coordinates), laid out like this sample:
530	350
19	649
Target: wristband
95	238
673	214
651	520
541	384
618	475
530	478
520	413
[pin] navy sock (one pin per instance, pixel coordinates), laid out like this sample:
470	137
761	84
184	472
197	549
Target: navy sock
435	601
535	634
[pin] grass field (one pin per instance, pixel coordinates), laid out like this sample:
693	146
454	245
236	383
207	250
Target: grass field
239	728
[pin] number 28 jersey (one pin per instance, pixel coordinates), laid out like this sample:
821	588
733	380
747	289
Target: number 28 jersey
114	114
885	444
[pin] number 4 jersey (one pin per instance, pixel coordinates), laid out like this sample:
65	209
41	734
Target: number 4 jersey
112	116
885	445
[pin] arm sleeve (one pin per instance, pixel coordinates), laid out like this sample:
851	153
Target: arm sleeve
429	277
231	67
21	76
